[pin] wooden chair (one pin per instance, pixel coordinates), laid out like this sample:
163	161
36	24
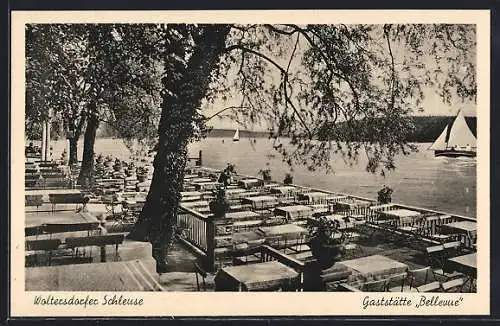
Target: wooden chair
423	280
452	249
429	287
45	245
453	285
203	274
435	256
374	286
396	283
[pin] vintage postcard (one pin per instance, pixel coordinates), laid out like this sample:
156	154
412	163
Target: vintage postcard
318	162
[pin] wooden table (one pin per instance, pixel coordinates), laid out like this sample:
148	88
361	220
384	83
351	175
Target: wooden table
190	195
294	212
285	190
58	217
314	197
352	205
466	264
249	183
133	275
242	216
271	275
403	215
261	202
197	180
371	266
284	230
468	230
209	185
460	227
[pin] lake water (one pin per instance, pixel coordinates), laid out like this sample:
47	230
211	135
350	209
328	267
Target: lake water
420	179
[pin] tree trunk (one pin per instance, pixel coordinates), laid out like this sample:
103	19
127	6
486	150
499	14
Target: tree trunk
85	177
73	150
158	218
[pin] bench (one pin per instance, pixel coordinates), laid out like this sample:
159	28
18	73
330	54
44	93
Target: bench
33	230
70	227
33	200
71	198
96	241
42	245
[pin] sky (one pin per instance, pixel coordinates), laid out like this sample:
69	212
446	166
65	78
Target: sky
432	104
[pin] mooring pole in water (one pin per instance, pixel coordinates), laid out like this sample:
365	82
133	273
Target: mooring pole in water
199	159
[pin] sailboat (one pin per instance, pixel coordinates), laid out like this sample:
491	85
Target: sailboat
236	136
455	140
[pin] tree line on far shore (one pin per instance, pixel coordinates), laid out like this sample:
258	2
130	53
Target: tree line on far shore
426	130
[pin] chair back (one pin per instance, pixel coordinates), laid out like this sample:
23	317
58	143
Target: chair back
421	276
45	244
74	198
70	227
96	240
397	281
374	286
33	230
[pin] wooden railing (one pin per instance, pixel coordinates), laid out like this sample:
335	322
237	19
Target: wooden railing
193	227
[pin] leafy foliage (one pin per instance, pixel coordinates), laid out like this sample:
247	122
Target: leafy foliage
384	195
351	86
288	180
266	174
325	246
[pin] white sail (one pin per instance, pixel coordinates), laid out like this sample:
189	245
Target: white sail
440	142
236	136
460	134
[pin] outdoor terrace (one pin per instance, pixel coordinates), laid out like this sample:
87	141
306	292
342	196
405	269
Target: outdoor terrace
266	224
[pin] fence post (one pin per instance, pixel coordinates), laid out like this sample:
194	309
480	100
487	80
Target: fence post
210	229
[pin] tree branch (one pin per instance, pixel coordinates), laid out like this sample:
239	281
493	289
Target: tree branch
280	68
387	29
225	109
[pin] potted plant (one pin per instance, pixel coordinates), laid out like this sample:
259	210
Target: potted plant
118	165
226	176
385	195
325	246
266	174
288	180
220	205
141	174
